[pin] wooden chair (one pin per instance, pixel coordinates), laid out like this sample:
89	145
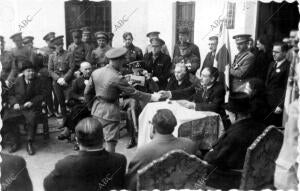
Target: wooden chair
174	170
259	165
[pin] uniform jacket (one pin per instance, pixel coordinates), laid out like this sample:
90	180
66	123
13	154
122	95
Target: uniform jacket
209	60
160	68
107	84
134	53
98	57
276	82
89	47
160	145
241	69
78	53
46	52
194	49
230	150
14	174
89	170
210	100
61	65
164	49
191	59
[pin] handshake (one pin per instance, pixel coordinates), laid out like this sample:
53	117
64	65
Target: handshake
161	95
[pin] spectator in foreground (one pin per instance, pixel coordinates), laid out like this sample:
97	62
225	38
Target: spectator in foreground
93	168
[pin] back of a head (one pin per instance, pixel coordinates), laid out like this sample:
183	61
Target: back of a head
164	121
89	132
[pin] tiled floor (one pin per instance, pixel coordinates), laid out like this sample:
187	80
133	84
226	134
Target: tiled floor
48	152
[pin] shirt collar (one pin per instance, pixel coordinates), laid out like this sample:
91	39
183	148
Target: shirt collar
279	63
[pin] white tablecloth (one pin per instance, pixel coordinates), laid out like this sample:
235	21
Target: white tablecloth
182	115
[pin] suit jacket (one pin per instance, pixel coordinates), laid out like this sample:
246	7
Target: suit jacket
107	84
77	89
23	92
173	83
89	170
208	61
241	69
160	145
230	150
276	82
160	68
14	174
210	100
261	65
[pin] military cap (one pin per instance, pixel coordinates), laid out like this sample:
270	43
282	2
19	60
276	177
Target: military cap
152	33
17	35
57	40
213	38
1	38
241	38
76	33
183	30
137	64
26	64
101	34
116	53
49	36
127	34
28	39
157	42
86	30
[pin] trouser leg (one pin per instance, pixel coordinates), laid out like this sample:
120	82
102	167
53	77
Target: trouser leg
59	92
30	121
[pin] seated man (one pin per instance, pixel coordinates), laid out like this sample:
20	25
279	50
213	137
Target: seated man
164	123
180	79
230	150
93	168
14	174
27	96
79	109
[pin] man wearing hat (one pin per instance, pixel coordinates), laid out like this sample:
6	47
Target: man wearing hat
77	49
186	56
28	41
26	100
158	64
20	53
183	38
98	55
61	69
210	57
104	88
134	53
7	61
87	40
242	67
230	150
155	34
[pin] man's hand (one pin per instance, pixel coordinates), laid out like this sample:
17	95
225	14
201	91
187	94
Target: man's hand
187	104
165	94
28	104
8	84
155	96
278	110
146	74
17	106
155	79
61	81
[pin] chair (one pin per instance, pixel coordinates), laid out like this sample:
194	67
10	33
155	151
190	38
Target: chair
174	170
259	166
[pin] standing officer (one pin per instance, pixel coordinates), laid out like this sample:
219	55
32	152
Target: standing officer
183	38
158	64
98	55
155	34
242	67
134	53
77	48
106	84
61	69
87	40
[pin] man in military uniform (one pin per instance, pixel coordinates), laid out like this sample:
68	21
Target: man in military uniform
6	59
104	88
191	61
158	63
242	67
89	45
155	34
210	57
28	41
61	69
183	38
98	55
77	48
20	53
134	53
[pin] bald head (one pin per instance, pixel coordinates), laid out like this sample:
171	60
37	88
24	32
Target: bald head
86	69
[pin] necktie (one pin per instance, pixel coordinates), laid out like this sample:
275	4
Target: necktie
204	92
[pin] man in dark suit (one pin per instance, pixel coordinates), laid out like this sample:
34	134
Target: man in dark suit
230	150
276	82
14	174
158	63
93	168
164	123
26	100
210	57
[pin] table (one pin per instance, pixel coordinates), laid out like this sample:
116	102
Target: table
201	126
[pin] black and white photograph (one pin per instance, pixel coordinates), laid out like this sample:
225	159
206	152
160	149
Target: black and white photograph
101	95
